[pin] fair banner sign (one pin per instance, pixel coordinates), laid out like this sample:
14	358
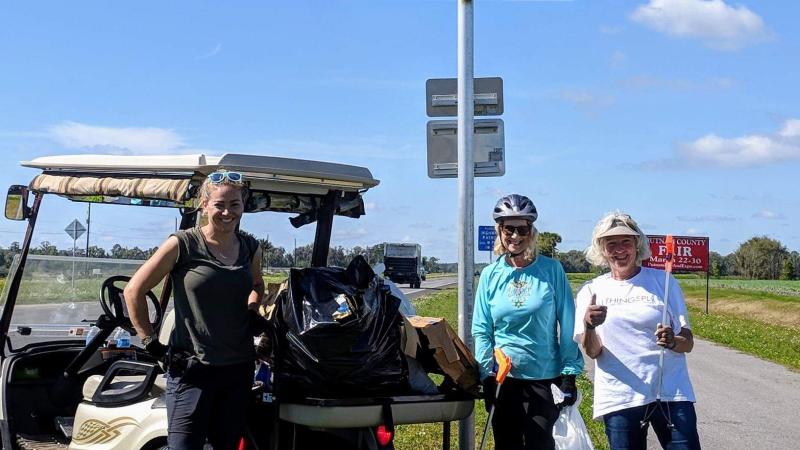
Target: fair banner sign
691	253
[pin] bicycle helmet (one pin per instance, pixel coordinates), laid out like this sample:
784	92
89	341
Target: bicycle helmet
515	206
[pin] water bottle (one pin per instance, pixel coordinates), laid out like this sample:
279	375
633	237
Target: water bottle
123	339
93	331
263	375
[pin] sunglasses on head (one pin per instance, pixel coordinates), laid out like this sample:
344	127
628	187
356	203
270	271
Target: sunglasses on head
521	230
220	176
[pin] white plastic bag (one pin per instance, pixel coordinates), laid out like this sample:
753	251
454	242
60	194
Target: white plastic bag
570	432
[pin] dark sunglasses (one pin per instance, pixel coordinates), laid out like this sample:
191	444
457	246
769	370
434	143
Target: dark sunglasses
221	175
521	230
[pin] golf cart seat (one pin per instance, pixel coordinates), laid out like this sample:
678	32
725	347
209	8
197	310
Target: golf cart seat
121	385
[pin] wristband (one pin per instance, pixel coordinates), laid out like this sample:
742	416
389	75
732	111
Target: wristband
588	325
674	344
148	339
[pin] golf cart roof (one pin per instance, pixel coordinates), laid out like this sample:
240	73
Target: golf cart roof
254	167
276	184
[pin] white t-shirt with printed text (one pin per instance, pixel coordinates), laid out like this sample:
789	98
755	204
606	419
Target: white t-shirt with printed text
626	372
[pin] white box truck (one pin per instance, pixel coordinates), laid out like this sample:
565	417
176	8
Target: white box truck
404	263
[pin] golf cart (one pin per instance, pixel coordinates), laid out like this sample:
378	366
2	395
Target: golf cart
60	389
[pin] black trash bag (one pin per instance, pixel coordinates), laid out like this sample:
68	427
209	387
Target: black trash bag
339	335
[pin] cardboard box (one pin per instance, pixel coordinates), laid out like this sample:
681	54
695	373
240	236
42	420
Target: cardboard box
423	335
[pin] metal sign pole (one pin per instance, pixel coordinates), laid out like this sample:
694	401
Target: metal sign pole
466	201
74	241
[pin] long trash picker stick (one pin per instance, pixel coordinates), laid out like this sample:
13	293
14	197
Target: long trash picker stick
504	366
667	270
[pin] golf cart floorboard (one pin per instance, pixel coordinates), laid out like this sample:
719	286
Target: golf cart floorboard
40	443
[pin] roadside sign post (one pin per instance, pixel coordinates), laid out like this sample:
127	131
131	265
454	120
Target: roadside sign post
75	229
691	255
463	149
466	200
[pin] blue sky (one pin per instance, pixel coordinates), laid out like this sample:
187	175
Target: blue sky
683	113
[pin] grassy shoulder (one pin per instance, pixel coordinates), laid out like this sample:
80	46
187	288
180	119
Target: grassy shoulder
776	343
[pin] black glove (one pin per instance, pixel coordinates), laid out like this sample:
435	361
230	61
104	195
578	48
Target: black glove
569	389
258	323
489	391
157	349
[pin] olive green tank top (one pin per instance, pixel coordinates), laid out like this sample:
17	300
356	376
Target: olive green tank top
211	317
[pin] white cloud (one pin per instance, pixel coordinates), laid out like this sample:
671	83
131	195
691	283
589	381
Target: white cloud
767	214
749	150
350	152
677	84
116	140
211	53
585	98
791	129
350	234
706	218
716	24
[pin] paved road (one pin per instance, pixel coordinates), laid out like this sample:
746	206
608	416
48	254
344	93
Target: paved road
428	286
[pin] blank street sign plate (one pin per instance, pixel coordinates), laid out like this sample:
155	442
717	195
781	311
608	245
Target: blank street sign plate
488	147
441	97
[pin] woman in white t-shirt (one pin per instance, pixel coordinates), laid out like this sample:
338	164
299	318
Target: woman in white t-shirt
617	322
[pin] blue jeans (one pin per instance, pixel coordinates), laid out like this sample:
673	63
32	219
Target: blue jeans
625	431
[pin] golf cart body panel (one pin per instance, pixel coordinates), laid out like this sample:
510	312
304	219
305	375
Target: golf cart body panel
358	413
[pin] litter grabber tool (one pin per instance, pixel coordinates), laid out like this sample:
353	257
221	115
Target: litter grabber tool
503	367
670	252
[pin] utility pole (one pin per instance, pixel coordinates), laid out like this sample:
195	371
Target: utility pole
466	200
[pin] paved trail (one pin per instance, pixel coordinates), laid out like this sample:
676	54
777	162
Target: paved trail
743	402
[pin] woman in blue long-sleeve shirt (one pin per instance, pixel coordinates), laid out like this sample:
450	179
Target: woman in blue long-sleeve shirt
524	306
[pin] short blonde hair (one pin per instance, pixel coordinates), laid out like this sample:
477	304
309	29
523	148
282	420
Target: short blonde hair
595	255
533	246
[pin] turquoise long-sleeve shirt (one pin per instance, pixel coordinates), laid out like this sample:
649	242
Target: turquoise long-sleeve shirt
520	311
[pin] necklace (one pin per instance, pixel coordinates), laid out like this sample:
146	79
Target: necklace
216	248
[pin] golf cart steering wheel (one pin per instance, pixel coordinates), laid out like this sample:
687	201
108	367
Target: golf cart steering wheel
113	303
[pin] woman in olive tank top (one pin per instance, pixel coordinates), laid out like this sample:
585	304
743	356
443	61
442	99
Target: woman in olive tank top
216	277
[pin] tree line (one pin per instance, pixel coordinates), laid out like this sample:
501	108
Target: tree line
760	257
272	256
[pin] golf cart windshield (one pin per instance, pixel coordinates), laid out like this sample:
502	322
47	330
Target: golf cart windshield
58	296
